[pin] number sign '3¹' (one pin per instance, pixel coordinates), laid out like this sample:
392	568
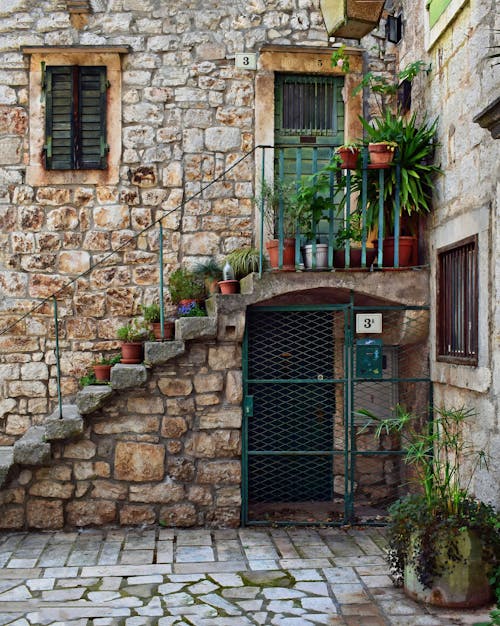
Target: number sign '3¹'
369	322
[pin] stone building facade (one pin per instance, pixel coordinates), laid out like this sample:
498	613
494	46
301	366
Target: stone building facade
180	117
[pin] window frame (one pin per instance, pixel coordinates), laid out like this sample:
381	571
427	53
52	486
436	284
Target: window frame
42	57
469	305
434	32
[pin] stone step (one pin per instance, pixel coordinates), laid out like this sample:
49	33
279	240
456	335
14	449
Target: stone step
6	462
70	425
32	448
128	376
92	398
157	353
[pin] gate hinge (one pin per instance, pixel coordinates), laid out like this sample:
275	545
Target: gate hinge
248	406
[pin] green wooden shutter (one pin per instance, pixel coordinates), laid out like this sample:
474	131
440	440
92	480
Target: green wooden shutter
436	8
75	128
92	147
59	127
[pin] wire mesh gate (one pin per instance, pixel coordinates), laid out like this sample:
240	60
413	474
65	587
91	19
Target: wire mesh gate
308	455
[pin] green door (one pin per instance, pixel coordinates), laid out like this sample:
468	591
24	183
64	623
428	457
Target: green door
309	123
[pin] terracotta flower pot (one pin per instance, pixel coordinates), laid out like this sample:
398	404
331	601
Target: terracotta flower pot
132	352
354	257
348	158
406	251
168	330
229	286
102	372
381	154
272	247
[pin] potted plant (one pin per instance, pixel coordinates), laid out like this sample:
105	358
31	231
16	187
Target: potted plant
352	232
243	261
191	309
211	273
279	222
314	208
443	543
152	315
348	155
133	336
102	368
381	152
185	288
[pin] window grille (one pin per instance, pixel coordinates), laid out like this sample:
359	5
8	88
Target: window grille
457	318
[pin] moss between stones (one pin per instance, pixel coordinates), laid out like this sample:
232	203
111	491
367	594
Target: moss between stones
267	578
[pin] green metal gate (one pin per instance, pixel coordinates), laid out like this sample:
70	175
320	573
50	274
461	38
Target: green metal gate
309	456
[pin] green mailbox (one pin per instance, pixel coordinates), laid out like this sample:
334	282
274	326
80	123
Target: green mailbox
369	362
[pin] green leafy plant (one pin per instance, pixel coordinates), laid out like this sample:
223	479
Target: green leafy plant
278	208
111	360
151	312
244	261
414	155
352	231
208	269
185	285
385	89
136	330
313	200
437	454
340	59
88	379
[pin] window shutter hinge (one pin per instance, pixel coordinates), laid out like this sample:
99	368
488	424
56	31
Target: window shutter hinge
104	147
44	83
108	84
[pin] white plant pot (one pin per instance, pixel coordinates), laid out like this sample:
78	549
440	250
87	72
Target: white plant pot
321	256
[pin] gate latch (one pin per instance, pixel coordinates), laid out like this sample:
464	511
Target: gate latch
248	406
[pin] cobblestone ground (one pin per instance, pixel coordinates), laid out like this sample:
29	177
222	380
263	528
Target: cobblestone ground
289	577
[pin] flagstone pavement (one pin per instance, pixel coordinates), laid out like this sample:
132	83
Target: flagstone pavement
161	577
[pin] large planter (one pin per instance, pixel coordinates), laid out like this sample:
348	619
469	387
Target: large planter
321	256
354	257
464	581
407	247
351	18
168	330
132	352
272	247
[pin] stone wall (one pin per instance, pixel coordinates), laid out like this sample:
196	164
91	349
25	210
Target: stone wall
168	451
187	116
461	83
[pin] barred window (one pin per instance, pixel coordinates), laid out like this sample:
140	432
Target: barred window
457	303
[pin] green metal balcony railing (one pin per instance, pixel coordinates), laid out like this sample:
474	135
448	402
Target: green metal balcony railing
346	201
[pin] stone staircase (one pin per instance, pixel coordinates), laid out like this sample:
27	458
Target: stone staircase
34	447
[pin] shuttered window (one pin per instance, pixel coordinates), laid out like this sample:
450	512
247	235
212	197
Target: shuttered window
457	303
75	127
436	8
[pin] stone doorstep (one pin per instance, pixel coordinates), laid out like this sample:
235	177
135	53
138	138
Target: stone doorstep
32	449
6	461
